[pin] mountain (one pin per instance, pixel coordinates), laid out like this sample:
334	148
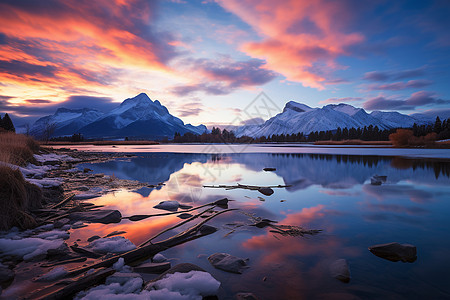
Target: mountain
137	117
297	117
66	121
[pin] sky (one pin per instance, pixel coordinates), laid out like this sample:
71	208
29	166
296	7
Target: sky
207	61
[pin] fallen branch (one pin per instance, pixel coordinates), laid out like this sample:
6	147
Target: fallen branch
152	249
220	203
63	202
175	226
68	291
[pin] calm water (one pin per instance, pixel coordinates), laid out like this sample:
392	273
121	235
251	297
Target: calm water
327	192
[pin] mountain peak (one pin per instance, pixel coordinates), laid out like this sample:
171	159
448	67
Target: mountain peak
344	108
295	106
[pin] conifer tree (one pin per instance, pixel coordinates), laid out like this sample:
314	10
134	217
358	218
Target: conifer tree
7	123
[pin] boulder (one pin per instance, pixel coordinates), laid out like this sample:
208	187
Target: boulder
339	270
93	238
153	268
395	252
97	216
227	262
265	191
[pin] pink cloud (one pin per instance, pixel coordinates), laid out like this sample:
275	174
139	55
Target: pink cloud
301	39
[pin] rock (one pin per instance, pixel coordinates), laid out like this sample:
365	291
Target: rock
265	191
184	216
246	296
93	238
158	258
61	250
61	222
168	205
269	169
98	216
227	262
87	170
395	252
153	268
339	270
83	188
374	181
207	229
6	277
116	232
380	178
51	162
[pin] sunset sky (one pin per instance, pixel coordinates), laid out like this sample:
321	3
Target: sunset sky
207	60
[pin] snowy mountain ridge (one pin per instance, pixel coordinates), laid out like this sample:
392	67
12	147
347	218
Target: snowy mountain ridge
297	117
137	117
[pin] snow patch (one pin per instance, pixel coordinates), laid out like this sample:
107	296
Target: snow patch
28	248
116	244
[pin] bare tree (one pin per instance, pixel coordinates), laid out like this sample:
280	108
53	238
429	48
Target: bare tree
49	129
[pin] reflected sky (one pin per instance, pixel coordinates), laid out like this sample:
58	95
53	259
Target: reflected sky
328	192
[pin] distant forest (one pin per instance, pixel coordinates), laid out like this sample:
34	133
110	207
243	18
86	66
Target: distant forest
367	133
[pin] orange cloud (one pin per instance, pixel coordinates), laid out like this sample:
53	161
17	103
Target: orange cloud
301	39
64	45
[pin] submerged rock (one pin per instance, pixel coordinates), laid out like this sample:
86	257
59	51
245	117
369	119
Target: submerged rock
265	191
97	216
227	262
339	270
171	205
395	252
184	216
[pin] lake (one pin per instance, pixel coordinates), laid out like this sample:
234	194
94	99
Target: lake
328	189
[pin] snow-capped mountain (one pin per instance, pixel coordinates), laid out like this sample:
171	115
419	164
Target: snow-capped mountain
297	117
137	117
66	121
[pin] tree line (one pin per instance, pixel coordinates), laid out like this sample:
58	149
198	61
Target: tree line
366	133
6	123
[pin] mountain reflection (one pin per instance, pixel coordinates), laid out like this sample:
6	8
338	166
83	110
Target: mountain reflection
298	170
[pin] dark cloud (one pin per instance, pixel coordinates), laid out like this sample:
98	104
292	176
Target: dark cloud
417	99
401	85
5	98
103	104
225	75
3	40
21	68
41	107
210	89
38	101
396	75
376	76
189	111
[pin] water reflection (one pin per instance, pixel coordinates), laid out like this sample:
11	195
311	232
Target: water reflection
328	192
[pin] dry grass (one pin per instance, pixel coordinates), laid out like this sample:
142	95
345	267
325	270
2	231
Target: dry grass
17	197
17	149
353	142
